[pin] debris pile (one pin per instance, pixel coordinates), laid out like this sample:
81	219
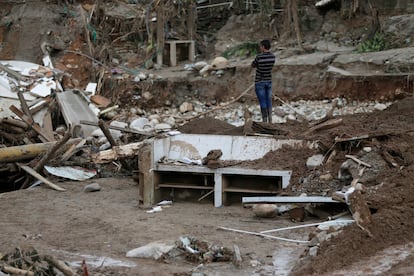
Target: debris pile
30	262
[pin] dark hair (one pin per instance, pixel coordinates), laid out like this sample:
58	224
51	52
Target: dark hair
265	43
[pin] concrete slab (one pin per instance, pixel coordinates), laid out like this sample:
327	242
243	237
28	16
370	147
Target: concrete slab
289	199
75	108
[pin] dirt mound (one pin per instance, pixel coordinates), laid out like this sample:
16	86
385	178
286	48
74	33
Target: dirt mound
210	125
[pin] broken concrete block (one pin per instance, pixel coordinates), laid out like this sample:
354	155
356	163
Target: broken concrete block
314	161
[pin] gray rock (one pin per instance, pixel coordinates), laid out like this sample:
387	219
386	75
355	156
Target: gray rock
314	161
93	187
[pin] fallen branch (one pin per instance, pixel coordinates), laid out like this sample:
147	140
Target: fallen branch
358	161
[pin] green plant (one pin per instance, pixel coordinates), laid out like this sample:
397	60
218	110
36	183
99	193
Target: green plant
246	49
378	43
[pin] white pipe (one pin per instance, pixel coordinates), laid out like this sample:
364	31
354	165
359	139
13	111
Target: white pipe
262	235
307	225
215	5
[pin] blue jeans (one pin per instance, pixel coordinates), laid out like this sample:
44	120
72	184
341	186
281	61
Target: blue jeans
264	94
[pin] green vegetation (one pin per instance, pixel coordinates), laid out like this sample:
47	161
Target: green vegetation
376	44
246	49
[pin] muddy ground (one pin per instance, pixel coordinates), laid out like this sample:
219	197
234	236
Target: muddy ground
75	225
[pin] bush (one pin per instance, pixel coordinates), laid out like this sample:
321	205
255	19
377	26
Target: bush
378	43
246	49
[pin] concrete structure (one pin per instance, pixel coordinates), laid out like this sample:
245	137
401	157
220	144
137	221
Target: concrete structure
174	163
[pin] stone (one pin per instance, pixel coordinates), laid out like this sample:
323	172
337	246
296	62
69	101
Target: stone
93	187
326	177
147	95
380	106
186	107
219	63
314	161
265	210
313	251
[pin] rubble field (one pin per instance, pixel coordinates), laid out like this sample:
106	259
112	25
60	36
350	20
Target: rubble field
356	121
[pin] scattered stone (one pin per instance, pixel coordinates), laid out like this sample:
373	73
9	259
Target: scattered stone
265	210
93	187
313	251
186	107
380	106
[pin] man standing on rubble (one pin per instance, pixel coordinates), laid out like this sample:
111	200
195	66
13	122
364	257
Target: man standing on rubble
263	63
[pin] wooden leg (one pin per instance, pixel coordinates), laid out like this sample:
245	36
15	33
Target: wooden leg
191	51
173	54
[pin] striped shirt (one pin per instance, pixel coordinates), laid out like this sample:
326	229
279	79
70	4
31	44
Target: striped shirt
264	64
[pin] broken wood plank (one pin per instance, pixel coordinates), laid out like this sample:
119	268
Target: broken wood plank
125	129
360	162
48	125
111	140
42	136
52	151
107	133
325	125
24	106
72	150
118	152
38	176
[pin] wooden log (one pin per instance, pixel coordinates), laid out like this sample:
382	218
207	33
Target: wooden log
34	125
26	152
61	266
117	152
36	175
14	122
325	125
16	271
